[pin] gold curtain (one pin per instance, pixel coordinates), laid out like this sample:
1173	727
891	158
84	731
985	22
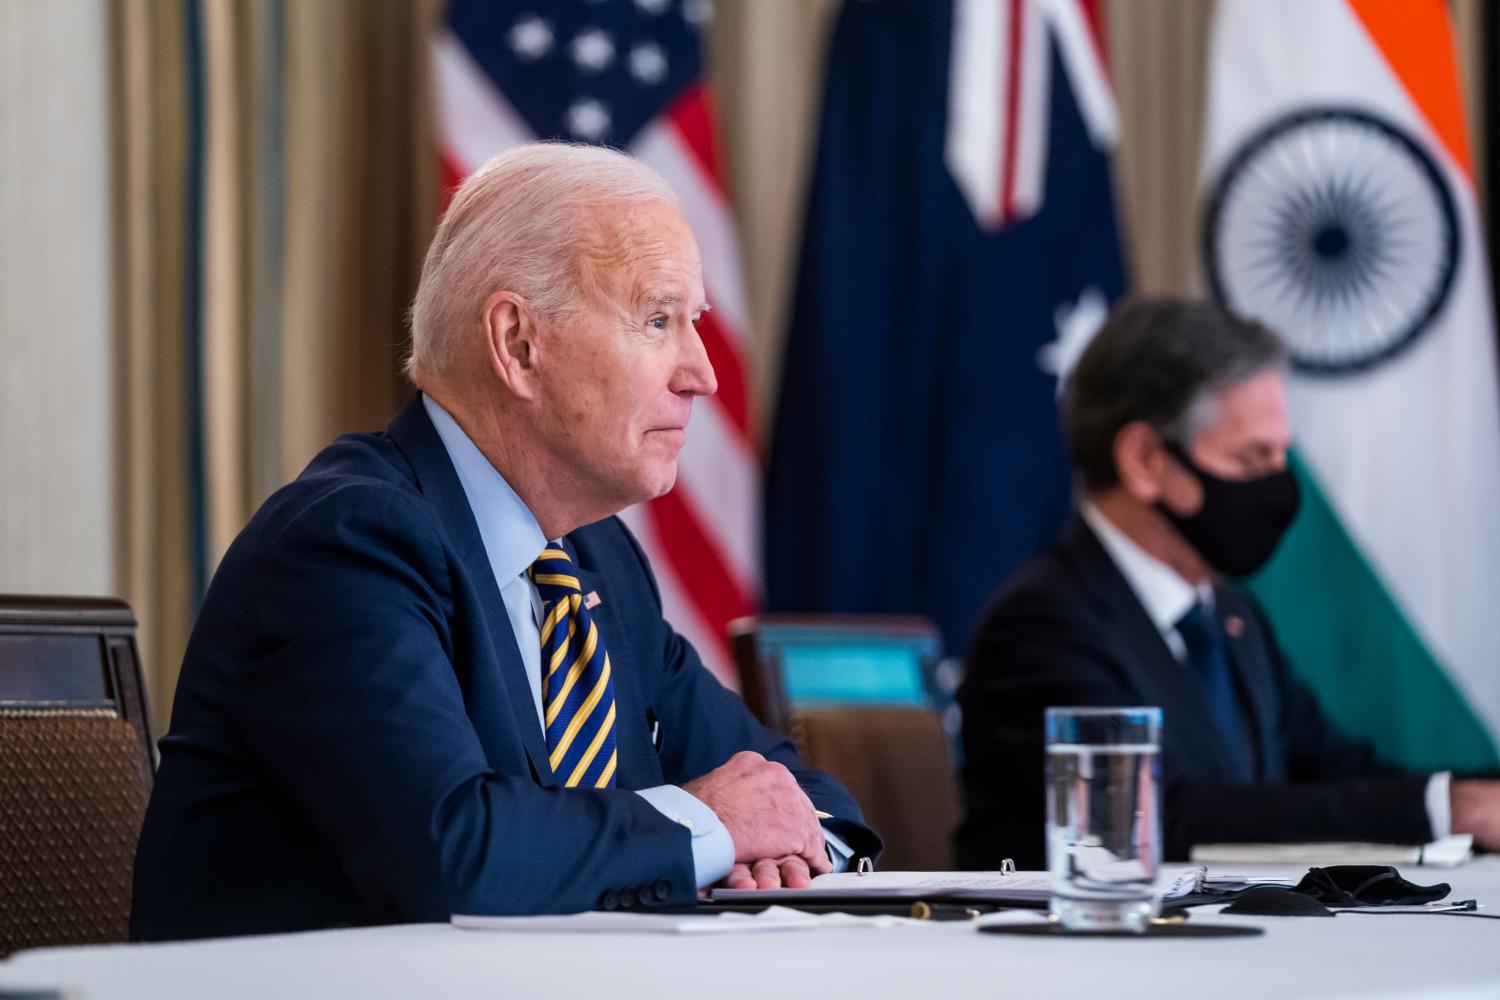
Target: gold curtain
260	313
765	61
1158	52
150	142
362	201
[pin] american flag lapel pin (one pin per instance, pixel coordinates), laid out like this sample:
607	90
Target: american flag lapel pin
1234	626
591	599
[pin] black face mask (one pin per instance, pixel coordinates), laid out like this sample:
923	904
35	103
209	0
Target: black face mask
1241	521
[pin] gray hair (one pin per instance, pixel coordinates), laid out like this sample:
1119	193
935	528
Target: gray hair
1162	361
518	224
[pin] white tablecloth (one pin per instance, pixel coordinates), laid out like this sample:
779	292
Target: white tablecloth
1352	955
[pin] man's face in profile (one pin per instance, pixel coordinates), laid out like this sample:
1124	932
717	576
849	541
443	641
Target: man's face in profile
1248	440
620	374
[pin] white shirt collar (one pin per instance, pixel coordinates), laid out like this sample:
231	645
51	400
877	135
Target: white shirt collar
512	538
1162	591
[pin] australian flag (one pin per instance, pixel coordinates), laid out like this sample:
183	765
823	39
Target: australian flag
961	246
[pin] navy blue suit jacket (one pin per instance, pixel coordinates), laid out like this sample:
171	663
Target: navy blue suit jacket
1068	630
354	740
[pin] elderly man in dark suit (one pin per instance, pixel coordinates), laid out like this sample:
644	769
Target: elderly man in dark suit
432	674
1177	422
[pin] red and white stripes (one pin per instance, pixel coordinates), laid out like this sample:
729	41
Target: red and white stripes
703	538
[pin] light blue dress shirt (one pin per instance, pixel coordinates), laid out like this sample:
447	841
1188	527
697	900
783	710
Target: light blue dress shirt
512	541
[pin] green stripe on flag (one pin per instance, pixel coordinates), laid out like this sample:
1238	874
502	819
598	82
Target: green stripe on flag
1347	639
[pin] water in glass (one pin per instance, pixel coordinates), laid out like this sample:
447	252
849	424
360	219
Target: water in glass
1103	817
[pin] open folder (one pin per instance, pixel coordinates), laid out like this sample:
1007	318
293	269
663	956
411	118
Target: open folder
1012	888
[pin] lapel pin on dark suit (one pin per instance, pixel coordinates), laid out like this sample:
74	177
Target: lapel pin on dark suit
591	599
1234	626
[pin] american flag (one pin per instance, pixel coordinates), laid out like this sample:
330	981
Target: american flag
627	73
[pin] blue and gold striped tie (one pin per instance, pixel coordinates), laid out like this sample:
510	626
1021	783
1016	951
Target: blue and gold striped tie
578	699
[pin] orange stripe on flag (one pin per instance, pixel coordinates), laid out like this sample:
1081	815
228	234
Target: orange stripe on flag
1416	38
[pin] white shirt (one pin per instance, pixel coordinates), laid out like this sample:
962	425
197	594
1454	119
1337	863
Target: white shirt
1163	592
1166	597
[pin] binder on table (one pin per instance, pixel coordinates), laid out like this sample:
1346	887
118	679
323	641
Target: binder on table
865	891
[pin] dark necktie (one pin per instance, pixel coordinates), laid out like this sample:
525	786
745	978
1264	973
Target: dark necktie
578	699
1209	661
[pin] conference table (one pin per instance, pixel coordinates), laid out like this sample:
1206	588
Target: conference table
1351	955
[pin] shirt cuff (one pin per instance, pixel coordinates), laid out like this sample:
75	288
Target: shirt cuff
1439	805
713	847
839	852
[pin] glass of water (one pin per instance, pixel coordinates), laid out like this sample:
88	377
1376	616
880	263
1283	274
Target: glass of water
1104	816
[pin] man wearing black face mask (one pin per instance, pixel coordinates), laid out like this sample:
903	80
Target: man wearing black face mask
1177	423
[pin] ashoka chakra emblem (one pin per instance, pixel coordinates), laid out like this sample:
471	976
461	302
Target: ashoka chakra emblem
1335	229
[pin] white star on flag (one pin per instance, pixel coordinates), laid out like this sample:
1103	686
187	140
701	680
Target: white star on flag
1076	325
647	64
587	119
697	12
531	38
592	50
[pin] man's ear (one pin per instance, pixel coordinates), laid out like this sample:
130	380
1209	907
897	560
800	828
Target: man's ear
510	337
1141	461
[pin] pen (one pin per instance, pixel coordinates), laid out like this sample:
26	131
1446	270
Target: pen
822	815
921	910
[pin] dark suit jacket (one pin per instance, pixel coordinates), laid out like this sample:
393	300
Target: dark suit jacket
354	740
1068	630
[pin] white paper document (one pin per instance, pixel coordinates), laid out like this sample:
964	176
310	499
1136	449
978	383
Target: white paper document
776	918
1231	881
1448	852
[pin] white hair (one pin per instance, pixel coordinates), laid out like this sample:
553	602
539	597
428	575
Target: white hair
516	224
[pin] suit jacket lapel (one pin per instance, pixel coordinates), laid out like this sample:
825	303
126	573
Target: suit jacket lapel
414	434
1151	669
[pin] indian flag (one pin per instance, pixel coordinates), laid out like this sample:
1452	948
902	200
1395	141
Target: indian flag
1339	209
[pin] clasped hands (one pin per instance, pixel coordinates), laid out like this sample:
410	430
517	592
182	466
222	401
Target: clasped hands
778	840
